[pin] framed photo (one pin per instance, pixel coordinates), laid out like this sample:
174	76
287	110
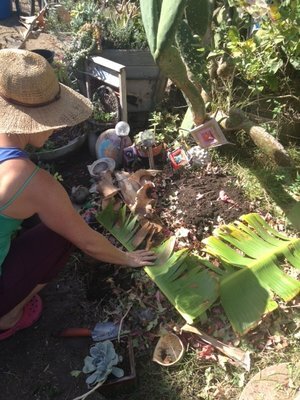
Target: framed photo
178	158
209	134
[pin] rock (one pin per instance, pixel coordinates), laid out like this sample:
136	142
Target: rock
272	383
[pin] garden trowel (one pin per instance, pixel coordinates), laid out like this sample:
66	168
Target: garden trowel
101	331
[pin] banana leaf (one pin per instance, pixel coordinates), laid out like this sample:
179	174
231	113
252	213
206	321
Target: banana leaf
258	253
251	254
185	281
182	277
122	227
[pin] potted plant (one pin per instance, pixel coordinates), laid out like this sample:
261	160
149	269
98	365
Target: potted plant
106	108
60	144
110	367
114	30
162	132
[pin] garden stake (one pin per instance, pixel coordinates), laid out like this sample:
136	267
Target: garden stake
148	140
241	357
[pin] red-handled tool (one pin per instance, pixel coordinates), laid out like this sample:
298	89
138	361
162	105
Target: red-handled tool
75	332
101	331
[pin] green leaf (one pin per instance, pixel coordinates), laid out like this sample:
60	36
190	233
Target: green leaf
75	373
198	15
150	11
185	281
187	284
170	16
244	300
251	255
258	251
119	225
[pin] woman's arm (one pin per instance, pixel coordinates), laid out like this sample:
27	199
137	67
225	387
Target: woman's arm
50	201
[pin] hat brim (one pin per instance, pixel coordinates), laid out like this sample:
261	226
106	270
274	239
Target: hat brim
70	109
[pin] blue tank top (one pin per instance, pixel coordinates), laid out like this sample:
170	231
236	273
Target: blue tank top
8	225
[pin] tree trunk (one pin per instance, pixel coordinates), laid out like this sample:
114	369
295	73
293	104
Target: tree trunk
170	62
263	140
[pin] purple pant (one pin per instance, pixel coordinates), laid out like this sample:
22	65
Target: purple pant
35	257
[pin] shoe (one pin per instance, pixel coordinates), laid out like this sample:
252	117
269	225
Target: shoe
31	313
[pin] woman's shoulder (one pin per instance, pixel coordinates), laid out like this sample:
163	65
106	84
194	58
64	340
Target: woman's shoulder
16	169
23	186
13	175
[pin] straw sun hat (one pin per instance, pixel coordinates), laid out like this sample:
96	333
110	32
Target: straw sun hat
31	98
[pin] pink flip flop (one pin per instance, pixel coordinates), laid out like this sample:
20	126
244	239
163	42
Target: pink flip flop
31	313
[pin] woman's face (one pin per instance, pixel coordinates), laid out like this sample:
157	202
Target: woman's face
38	140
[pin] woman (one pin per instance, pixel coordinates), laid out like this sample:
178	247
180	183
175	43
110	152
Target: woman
33	104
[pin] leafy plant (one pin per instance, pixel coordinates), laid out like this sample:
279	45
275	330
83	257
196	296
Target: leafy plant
164	125
262	57
102	116
84	43
83	12
62	73
163	22
104	104
250	255
101	363
96	25
122	26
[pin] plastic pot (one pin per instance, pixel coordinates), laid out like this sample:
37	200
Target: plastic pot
61	152
47	54
5	9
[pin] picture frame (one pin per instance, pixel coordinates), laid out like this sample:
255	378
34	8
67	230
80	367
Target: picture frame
209	134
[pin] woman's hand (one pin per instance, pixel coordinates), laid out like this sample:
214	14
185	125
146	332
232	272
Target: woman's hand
66	221
140	258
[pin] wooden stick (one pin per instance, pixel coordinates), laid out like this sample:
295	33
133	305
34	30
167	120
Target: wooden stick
151	158
122	320
239	356
31	26
85	395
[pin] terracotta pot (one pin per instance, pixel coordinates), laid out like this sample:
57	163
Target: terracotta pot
156	150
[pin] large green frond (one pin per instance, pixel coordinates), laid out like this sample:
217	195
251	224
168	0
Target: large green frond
186	282
260	253
245	300
254	264
124	228
183	278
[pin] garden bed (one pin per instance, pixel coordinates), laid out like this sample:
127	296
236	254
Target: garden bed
84	292
37	365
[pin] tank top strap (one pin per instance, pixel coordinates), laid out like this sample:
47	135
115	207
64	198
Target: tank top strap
7	153
20	190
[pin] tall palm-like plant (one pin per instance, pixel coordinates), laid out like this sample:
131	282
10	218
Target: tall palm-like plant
254	262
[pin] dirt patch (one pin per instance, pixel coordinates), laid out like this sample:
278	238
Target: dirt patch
194	202
12	34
